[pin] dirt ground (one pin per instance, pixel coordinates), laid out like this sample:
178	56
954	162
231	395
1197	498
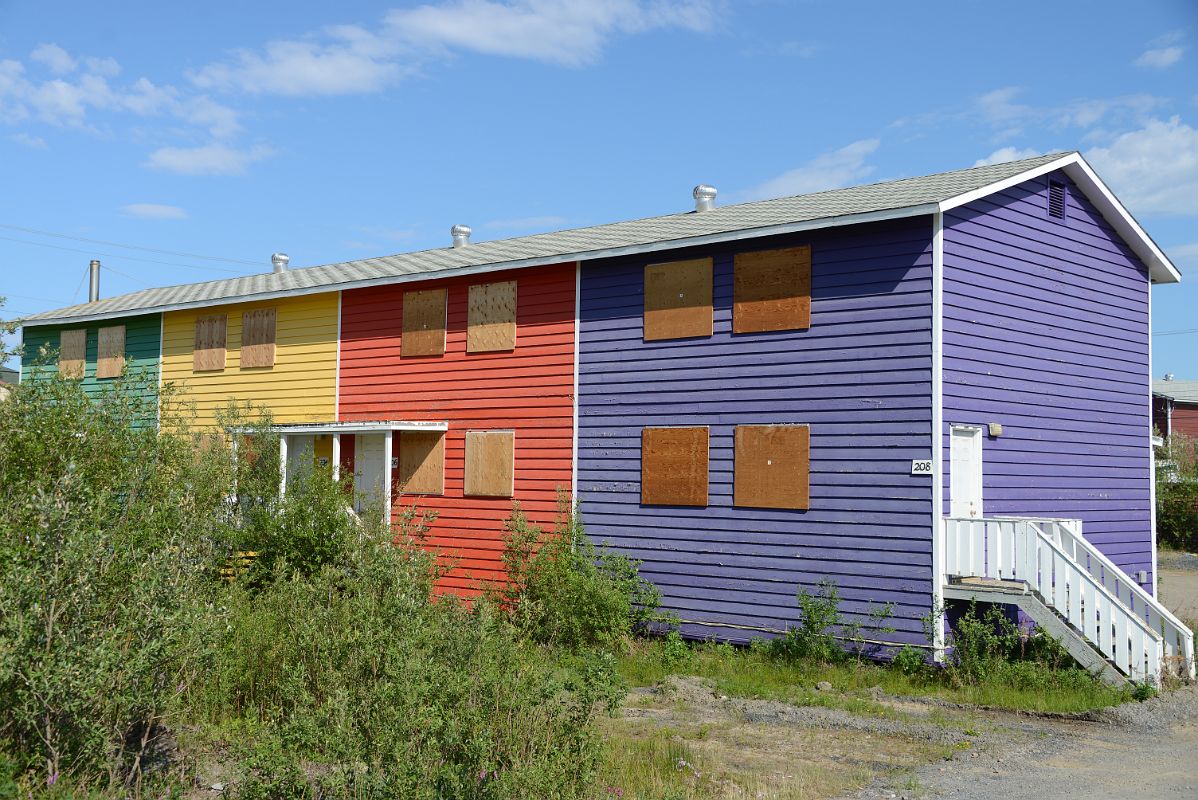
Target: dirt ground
922	749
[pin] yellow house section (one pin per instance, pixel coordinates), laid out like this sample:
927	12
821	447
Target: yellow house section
300	387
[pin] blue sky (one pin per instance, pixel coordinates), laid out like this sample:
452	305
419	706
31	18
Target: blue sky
333	132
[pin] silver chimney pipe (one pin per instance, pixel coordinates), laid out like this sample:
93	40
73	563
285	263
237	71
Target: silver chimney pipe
704	197
461	235
93	292
280	261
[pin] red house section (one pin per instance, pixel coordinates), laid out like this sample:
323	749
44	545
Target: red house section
528	389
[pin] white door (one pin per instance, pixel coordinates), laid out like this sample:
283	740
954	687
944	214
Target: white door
965	472
368	471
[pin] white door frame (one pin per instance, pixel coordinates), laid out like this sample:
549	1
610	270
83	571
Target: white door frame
964	487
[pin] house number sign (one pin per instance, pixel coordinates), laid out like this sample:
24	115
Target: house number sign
921	467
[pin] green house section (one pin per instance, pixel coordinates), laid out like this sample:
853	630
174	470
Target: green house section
143	337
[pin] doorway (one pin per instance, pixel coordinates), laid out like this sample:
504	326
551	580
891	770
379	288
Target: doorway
965	472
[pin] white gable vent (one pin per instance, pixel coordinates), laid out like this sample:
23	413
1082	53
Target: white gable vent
1056	199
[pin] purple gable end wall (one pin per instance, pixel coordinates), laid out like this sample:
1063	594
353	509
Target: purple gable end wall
861	377
1046	332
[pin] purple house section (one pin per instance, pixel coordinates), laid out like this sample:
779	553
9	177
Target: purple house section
860	377
1046	332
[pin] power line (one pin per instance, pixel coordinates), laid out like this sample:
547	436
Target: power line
130	246
1175	333
126	258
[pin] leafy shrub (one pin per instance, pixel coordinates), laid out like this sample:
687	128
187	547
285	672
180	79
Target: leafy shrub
106	548
910	661
356	684
989	646
1177	493
676	653
815	635
563	590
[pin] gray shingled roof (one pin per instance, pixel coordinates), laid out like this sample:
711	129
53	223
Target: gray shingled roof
1182	391
915	194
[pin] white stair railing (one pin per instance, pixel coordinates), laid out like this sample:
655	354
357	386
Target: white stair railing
1018	550
1179	639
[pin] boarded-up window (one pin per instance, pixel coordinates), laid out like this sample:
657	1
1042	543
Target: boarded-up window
772	466
771	290
678	299
423	323
421	462
72	353
209	353
258	338
110	361
490	457
674	466
491	323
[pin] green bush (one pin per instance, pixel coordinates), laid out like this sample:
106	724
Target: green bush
990	647
107	550
815	637
563	590
355	683
910	661
1177	493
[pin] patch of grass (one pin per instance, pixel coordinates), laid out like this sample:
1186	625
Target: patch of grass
754	673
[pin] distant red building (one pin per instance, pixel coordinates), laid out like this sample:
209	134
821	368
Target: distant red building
1175	407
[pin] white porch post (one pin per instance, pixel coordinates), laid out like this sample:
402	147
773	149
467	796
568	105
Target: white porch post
282	465
388	449
336	457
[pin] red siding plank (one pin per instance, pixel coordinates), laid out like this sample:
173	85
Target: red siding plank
528	390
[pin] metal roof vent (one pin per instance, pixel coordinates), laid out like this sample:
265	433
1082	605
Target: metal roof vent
461	235
1056	199
93	289
1168	376
704	197
280	261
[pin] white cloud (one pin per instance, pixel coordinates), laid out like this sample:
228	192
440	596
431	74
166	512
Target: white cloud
1163	52
82	86
1007	154
525	223
210	159
829	171
35	142
154	211
355	61
1160	58
58	61
568	32
349	59
1153	169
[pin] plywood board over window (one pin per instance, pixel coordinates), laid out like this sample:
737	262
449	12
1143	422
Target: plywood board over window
258	338
72	353
421	462
110	359
490	467
678	299
772	467
423	323
491	322
771	290
209	352
674	466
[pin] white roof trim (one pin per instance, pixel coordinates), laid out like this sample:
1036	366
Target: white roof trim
611	252
1160	268
356	427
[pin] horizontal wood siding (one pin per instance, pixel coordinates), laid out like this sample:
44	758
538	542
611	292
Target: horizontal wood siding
142	335
528	390
860	377
1046	333
1185	419
300	387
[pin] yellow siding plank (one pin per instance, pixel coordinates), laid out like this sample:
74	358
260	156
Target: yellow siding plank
300	387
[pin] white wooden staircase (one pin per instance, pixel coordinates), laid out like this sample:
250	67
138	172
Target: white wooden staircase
1069	588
